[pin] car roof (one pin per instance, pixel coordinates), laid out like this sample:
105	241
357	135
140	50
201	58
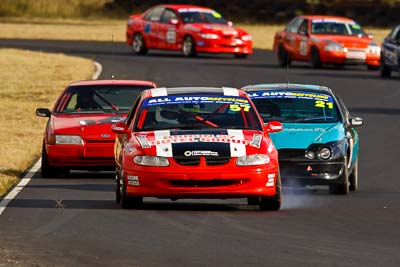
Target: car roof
113	82
223	91
176	7
311	17
286	86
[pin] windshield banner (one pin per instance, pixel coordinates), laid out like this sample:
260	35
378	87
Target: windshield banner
198	99
292	95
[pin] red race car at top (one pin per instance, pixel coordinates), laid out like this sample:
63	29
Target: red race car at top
188	28
78	133
326	40
196	143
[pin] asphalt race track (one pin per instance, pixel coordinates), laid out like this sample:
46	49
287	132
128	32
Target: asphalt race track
313	228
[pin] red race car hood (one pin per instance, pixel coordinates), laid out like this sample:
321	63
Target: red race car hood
211	143
88	126
347	41
220	29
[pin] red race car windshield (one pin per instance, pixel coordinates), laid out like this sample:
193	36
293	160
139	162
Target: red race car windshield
99	98
336	27
295	106
197	112
194	15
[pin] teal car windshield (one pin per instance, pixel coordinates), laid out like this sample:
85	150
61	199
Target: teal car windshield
295	106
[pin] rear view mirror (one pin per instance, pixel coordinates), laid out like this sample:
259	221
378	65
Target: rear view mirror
273	127
43	112
120	128
356	121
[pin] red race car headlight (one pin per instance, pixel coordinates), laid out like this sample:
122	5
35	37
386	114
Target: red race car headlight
257	159
209	35
333	46
68	140
151	161
374	48
246	38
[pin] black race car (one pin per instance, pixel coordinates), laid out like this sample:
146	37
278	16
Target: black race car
390	53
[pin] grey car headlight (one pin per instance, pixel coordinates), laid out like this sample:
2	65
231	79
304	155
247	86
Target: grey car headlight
69	139
324	153
257	159
151	161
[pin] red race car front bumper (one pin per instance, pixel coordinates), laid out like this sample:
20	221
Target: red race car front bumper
230	45
228	181
88	155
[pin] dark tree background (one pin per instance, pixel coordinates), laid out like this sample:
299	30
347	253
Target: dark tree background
370	12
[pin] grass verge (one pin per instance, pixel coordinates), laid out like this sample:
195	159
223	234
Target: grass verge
104	30
29	80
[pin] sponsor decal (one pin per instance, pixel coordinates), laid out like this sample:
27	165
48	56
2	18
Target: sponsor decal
147	28
271	180
216	15
195	153
293	95
105	135
193	9
156	101
270	147
332	21
195	138
163	148
133	180
171	36
256	141
142	139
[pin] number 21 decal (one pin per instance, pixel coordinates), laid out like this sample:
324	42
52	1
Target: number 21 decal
322	104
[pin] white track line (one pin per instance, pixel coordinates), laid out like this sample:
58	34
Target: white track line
32	171
18	188
99	69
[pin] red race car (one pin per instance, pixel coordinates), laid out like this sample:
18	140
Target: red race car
326	40
78	133
196	143
188	28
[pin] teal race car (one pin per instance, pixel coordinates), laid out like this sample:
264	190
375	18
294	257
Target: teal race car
319	143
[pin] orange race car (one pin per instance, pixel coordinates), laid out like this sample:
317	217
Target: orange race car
326	40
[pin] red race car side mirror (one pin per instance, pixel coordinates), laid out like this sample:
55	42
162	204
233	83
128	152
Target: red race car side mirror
120	128
273	127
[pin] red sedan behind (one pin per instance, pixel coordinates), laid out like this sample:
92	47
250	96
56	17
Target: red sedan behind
78	133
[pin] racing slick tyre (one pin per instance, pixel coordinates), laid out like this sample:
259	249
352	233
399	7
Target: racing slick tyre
283	57
272	203
189	47
353	178
372	67
139	44
341	187
385	70
117	190
253	201
240	55
127	202
315	59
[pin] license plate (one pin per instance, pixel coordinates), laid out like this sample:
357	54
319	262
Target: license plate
355	55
